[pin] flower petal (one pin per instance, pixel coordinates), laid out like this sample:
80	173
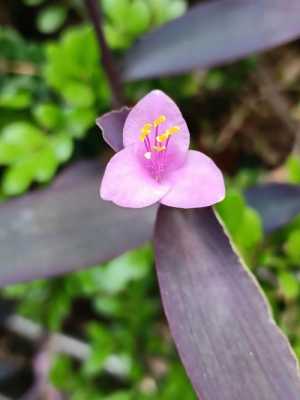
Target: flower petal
111	125
199	183
147	110
128	184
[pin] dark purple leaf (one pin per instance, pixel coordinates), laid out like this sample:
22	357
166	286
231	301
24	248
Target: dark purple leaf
277	203
213	33
111	125
67	227
222	327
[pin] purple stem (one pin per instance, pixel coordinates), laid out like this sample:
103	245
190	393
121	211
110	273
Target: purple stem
109	66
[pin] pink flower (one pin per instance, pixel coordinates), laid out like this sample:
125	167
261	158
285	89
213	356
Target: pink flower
156	164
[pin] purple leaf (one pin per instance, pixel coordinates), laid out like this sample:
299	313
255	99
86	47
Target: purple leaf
213	33
112	124
67	227
277	203
219	319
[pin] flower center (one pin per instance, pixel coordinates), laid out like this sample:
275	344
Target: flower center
156	145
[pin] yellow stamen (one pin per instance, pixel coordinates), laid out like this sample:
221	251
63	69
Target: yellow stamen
163	137
161	119
145	131
159	148
168	133
174	129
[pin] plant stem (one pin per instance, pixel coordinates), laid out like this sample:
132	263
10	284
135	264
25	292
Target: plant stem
106	55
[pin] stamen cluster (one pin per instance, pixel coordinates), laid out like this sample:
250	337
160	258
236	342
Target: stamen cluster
159	143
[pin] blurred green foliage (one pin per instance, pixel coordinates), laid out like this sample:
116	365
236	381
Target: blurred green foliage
128	19
50	95
293	168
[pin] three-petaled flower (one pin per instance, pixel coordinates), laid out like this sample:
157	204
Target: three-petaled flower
156	164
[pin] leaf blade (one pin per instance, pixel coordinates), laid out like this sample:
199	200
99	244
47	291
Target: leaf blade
213	33
277	203
67	227
220	321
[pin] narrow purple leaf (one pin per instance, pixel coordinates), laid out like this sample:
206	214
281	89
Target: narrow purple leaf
277	203
67	227
111	125
213	33
222	327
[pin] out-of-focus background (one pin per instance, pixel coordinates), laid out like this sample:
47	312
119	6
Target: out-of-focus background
52	87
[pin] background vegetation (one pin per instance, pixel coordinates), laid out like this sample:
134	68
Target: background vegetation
52	88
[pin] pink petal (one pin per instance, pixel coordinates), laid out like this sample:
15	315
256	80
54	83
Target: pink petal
128	184
149	108
199	183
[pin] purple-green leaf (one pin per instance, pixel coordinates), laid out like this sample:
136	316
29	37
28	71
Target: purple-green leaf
220	321
213	33
277	203
112	124
67	227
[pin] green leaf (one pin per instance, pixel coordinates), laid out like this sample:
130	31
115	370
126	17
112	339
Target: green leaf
231	210
23	134
17	178
138	17
102	347
15	97
165	10
116	10
250	232
115	38
292	246
78	94
10	153
79	120
288	284
50	19
61	373
62	146
45	165
118	273
48	115
293	167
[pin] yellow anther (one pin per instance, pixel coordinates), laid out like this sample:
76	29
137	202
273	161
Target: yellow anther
168	133
159	148
163	137
173	130
161	119
145	131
